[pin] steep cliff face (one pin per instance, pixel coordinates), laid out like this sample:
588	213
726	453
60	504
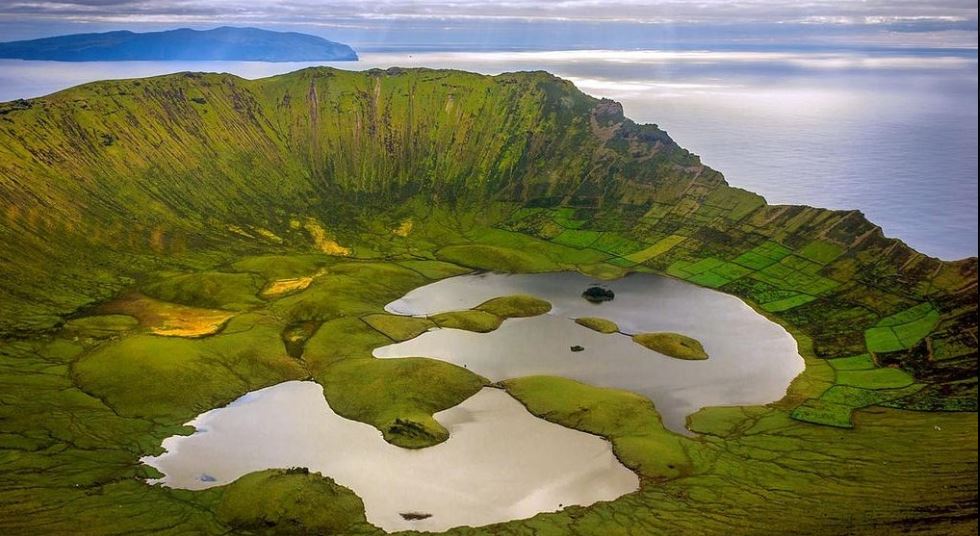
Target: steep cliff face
190	141
105	182
137	165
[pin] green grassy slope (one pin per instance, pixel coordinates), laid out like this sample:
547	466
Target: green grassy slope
191	170
204	189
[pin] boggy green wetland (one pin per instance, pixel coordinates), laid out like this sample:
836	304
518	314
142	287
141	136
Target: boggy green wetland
174	244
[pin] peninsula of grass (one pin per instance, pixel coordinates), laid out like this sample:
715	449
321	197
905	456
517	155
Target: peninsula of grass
291	501
628	420
488	316
470	320
673	345
598	324
399	328
399	396
516	306
340	339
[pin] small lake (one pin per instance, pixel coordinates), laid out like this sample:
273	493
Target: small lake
752	360
499	463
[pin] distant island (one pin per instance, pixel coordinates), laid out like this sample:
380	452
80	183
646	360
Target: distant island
218	44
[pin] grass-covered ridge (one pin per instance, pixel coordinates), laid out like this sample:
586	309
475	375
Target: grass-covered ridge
628	420
489	315
187	202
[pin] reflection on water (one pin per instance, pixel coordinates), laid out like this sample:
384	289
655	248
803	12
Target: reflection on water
891	133
499	463
752	360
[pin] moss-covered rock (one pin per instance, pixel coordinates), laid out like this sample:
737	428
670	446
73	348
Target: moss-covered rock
598	294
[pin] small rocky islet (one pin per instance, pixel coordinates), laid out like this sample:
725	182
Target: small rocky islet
597	294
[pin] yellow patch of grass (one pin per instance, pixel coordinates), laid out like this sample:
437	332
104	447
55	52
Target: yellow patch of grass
404	229
268	235
168	319
661	247
281	287
240	231
324	242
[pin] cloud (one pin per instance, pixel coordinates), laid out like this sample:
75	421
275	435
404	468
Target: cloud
641	11
560	23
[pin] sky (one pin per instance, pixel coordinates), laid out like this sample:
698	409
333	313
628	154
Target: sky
521	24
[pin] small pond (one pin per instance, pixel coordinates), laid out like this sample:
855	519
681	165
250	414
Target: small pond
752	360
499	463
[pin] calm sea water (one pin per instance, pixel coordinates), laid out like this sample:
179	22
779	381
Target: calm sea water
893	134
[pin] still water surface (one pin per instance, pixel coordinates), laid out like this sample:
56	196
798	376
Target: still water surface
499	463
752	360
